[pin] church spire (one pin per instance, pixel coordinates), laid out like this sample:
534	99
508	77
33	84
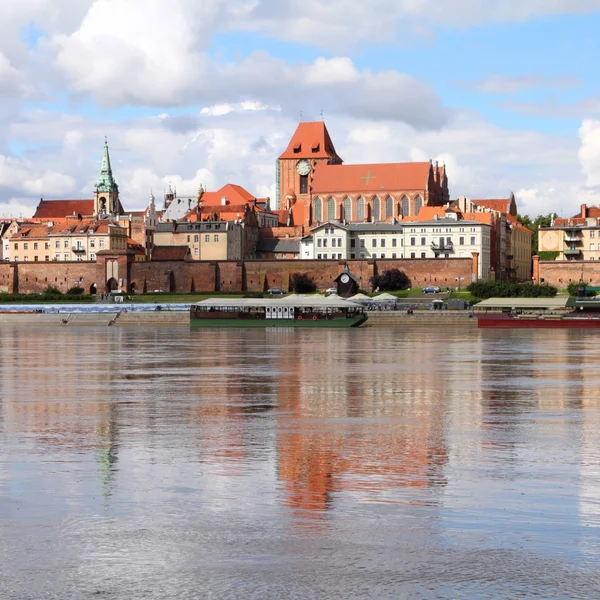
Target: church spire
106	182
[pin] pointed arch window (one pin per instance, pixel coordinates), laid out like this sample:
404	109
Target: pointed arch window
376	208
405	205
418	204
330	209
389	207
347	209
360	208
317	209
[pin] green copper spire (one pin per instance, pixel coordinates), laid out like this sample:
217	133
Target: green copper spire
105	182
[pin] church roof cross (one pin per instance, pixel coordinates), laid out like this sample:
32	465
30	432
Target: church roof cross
368	178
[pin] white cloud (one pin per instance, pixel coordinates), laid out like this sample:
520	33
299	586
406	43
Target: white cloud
23	176
589	155
507	85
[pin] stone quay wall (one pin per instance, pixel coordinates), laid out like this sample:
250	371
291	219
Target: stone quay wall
222	276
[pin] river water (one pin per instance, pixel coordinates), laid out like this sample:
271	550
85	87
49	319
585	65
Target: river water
259	464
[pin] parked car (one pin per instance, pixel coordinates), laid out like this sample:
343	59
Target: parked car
431	289
331	290
275	291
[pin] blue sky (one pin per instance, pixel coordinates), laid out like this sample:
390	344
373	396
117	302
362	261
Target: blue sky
504	93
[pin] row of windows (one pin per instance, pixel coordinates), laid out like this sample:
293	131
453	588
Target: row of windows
56	257
326	256
378	210
442	241
57	244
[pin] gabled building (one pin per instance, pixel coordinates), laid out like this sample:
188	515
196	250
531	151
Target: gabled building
71	239
315	186
576	238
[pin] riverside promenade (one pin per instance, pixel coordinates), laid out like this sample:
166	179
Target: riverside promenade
181	318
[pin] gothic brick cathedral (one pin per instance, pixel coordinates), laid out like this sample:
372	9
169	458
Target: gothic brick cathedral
315	186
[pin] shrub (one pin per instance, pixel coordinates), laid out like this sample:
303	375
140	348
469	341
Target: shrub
498	289
75	291
574	287
301	283
548	254
52	291
391	279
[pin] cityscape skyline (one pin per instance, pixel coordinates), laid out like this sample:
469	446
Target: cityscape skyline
210	94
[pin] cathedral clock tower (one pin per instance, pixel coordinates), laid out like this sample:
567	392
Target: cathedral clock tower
106	190
309	146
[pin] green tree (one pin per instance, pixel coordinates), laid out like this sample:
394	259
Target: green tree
391	279
302	283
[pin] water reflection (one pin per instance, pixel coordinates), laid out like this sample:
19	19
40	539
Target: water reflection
257	453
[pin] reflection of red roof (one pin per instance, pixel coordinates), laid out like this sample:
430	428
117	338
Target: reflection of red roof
371	179
310	140
169	252
57	209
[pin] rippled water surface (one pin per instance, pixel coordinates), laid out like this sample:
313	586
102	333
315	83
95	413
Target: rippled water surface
259	464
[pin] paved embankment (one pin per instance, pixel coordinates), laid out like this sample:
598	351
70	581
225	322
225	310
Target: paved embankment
167	318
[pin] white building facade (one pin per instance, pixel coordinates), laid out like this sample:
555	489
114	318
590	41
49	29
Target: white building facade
439	238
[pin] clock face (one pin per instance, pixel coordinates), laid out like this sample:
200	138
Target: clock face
344	278
303	167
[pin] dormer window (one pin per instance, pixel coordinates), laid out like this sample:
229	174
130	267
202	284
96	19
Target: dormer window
315	147
297	148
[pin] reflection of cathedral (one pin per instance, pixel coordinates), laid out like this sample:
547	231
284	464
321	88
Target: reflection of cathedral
349	424
314	185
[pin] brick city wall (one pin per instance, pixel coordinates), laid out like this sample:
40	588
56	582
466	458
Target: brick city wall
226	276
560	273
37	276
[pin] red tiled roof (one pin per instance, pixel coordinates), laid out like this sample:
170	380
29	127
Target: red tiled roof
169	252
502	205
96	226
29	231
561	222
516	224
135	246
234	194
57	209
310	140
593	212
375	178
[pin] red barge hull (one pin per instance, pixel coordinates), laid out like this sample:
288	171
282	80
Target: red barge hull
509	322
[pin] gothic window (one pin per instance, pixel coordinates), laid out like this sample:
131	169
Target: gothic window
376	211
360	208
405	206
347	209
304	184
330	209
389	207
418	204
317	210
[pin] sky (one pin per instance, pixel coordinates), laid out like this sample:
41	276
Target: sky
209	92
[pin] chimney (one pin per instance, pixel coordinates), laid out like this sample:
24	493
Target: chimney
223	201
584	211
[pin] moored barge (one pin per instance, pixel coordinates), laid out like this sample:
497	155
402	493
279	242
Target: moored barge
560	312
296	310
